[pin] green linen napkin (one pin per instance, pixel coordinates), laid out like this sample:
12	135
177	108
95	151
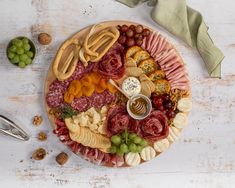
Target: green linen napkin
187	24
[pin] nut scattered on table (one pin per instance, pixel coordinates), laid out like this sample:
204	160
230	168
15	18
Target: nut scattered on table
42	136
44	38
39	154
37	120
62	158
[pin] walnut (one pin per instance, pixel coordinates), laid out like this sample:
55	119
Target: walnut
39	154
62	158
44	38
37	120
42	136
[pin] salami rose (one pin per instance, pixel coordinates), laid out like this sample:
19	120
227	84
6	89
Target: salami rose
112	64
117	119
154	127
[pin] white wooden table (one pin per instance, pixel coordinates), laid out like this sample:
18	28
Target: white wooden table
204	156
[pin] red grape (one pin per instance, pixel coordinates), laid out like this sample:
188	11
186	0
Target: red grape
166	97
139	29
170	114
157	101
129	33
146	32
130	42
132	27
161	108
168	104
122	39
124	28
139	42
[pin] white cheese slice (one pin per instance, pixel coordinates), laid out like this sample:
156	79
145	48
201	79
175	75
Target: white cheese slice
181	120
147	153
161	145
132	159
184	105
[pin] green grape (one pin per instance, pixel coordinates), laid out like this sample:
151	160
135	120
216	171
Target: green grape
28	61
132	136
29	54
12	48
26	47
16	59
22	64
10	55
137	140
19	43
119	152
23	57
124	148
20	51
125	134
116	139
113	149
139	148
132	147
143	143
14	41
25	40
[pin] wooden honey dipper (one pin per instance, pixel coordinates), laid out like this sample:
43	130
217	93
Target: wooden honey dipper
138	105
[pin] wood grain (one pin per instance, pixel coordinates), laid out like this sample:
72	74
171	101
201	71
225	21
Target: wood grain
203	157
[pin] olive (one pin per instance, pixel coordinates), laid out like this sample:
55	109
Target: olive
139	29
129	33
130	42
138	36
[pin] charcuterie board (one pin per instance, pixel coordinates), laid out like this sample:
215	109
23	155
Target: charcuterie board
117	93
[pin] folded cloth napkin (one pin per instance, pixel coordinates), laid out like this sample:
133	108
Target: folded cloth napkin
187	24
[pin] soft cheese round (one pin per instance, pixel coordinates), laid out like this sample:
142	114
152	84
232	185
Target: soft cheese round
147	153
161	145
132	159
184	104
180	120
131	86
173	134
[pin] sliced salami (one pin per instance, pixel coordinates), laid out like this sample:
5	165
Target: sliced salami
81	104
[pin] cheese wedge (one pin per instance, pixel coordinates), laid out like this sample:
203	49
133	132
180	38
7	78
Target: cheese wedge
161	145
132	159
147	153
184	104
181	120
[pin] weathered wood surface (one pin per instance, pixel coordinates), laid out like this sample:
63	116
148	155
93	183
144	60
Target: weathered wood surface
204	156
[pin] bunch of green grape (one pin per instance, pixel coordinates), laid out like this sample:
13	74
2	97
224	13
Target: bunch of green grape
20	52
127	142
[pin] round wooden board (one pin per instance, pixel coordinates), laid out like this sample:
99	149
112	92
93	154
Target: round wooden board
79	35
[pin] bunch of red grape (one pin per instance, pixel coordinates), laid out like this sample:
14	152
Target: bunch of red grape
132	35
164	104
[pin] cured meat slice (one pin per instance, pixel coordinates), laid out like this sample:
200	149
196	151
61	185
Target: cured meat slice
117	119
78	73
81	104
112	64
109	97
55	98
154	127
97	100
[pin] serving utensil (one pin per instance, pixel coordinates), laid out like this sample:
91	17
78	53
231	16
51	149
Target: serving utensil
12	129
138	106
